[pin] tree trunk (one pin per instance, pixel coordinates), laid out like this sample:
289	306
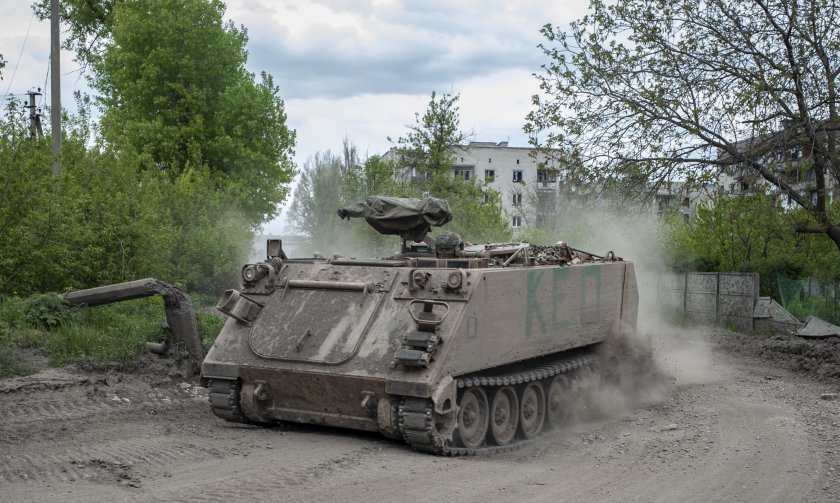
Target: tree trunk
833	233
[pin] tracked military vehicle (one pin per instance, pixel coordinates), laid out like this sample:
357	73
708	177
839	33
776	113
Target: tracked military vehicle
454	348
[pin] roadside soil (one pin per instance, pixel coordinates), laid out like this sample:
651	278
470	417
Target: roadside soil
739	418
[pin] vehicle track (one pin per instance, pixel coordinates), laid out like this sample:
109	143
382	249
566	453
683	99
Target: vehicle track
49	464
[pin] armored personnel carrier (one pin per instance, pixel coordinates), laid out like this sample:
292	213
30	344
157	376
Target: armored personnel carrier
454	348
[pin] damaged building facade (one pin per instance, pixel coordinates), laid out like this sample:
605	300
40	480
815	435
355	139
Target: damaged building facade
787	159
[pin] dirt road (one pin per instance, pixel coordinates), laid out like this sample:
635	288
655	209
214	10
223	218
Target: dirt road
729	428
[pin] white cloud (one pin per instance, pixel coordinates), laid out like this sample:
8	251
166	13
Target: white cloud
339	48
492	106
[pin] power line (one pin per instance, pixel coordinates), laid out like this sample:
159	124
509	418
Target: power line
47	76
19	56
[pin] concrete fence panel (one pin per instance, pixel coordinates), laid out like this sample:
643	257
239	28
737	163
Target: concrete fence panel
711	297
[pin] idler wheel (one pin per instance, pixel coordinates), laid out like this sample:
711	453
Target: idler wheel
504	415
557	402
531	410
473	417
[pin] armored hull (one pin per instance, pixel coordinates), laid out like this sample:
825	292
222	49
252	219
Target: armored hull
456	355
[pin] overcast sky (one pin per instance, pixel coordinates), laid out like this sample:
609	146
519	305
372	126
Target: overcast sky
357	69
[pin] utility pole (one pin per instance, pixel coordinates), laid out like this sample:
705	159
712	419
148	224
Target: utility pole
55	87
35	128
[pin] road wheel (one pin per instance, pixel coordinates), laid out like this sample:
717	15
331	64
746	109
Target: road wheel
504	415
558	402
473	415
531	410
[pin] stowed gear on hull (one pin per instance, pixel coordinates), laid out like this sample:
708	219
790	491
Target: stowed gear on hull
466	350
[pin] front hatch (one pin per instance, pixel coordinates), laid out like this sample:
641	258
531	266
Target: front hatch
318	323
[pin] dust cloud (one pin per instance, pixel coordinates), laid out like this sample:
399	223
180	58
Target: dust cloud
636	368
352	238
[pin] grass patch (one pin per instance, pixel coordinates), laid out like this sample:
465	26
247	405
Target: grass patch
74	335
11	364
16	333
114	332
209	326
110	333
733	327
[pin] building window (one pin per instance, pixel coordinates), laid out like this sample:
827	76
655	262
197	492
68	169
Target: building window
814	197
489	175
516	222
517	161
462	159
517	199
517	176
485	198
546	175
489	161
463	174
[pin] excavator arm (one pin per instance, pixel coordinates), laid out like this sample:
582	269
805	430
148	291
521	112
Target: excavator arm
180	315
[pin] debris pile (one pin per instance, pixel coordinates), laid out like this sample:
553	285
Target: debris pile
561	254
818	328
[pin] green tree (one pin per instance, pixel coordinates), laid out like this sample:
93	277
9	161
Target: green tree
477	212
190	155
751	234
173	86
23	166
100	221
372	177
317	197
730	231
88	24
426	151
329	182
425	156
211	240
646	91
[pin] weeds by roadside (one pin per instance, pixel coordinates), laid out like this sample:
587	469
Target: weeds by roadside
65	335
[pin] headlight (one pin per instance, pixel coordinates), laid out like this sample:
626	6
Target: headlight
253	272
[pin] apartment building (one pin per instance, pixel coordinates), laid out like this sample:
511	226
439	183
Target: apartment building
678	197
787	163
